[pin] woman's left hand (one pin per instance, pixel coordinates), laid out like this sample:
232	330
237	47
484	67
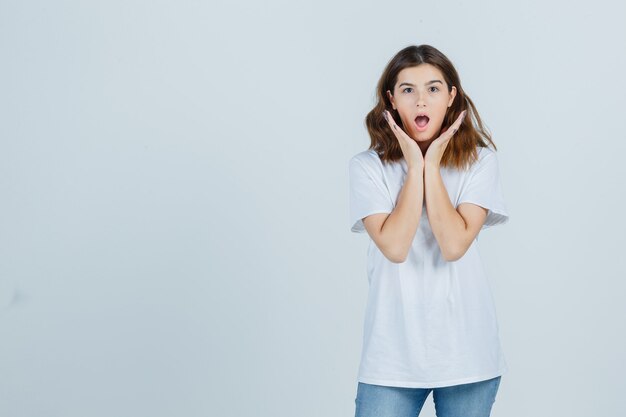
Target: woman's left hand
438	146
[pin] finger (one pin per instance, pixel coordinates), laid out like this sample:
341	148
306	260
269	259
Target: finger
392	123
389	119
457	123
397	130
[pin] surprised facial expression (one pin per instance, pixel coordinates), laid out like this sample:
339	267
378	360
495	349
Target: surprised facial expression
421	98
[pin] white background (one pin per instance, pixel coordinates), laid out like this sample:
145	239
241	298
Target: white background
174	201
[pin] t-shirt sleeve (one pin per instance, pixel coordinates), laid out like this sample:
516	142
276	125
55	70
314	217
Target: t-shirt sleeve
368	194
484	188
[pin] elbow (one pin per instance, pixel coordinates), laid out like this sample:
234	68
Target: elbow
397	255
453	254
451	258
397	259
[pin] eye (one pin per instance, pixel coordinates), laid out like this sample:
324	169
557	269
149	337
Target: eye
435	88
408	88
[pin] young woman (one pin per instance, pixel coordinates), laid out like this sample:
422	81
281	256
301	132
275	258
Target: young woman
425	188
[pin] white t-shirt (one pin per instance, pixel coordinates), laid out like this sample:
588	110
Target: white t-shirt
428	322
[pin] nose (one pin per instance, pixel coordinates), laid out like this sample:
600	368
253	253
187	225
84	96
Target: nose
419	100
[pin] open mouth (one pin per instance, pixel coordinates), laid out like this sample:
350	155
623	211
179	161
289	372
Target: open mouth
421	122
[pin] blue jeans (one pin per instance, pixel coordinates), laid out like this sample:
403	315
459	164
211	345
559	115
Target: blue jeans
466	400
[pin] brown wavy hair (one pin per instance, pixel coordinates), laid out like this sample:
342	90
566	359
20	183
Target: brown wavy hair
461	150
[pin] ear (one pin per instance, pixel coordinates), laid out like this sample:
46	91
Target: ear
452	95
390	97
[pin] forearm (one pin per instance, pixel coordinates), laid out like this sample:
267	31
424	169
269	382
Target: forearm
446	223
399	229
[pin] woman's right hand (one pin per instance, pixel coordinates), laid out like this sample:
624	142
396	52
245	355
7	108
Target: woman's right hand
410	149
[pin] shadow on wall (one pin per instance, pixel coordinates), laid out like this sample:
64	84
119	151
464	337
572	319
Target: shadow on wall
10	296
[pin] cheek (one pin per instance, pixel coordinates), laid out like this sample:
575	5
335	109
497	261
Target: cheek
404	115
440	115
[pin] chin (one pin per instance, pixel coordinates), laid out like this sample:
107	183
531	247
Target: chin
422	136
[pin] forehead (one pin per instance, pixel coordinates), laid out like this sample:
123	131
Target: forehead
420	74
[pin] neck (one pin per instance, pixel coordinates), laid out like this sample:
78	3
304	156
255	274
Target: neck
424	145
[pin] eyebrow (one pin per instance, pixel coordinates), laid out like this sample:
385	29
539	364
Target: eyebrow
429	82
